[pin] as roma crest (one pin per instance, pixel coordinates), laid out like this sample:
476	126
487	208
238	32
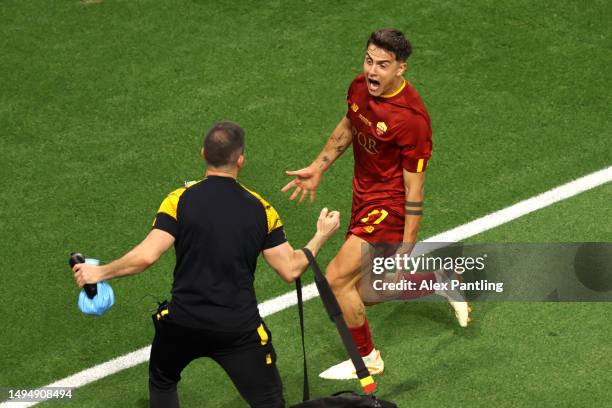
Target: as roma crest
381	128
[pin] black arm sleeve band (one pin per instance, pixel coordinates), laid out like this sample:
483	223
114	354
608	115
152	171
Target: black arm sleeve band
166	223
275	238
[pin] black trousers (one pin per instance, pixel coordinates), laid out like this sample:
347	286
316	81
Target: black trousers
247	357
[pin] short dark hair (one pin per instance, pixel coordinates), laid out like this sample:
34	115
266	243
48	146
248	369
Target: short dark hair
392	40
223	143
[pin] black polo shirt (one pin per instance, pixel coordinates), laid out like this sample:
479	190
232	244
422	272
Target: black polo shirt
220	229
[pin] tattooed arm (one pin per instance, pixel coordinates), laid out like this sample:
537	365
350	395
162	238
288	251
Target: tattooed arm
337	144
307	179
414	185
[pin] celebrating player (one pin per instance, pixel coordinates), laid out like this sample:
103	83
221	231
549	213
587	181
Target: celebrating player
389	127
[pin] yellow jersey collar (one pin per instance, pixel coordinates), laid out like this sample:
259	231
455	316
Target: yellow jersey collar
400	89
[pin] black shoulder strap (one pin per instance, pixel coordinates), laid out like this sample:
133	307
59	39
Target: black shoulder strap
300	302
335	313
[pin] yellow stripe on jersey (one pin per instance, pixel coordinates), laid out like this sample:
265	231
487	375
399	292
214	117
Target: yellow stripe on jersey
392	94
420	165
170	203
274	220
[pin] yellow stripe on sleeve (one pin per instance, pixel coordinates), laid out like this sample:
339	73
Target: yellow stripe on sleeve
420	165
170	203
274	220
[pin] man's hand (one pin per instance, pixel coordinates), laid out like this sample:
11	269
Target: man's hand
86	273
289	263
306	181
328	223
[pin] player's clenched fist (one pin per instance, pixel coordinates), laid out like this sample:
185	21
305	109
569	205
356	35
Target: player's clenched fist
328	222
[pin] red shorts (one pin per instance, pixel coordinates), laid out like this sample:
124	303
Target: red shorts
378	223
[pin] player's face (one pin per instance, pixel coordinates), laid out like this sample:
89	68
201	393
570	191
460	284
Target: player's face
382	71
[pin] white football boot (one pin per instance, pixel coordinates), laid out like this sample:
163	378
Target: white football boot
346	370
455	297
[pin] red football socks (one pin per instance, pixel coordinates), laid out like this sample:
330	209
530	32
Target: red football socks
363	338
417	282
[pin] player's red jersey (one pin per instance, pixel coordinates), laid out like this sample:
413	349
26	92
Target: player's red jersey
390	133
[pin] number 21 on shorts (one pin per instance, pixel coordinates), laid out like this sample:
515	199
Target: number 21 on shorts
374	217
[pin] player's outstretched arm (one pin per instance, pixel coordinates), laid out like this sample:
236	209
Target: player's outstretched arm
137	260
290	264
307	179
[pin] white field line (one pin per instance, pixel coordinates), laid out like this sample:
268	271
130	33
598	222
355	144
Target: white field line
289	299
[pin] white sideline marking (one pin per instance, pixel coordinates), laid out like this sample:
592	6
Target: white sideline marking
524	207
289	299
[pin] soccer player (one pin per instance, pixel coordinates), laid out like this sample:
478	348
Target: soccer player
218	228
389	128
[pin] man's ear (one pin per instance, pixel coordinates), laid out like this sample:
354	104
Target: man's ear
402	68
240	161
202	153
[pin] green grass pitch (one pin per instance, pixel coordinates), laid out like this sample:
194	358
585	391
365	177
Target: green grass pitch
102	113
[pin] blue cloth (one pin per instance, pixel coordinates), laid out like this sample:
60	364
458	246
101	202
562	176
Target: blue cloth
104	299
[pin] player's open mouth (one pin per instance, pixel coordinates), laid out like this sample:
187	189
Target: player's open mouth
373	84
